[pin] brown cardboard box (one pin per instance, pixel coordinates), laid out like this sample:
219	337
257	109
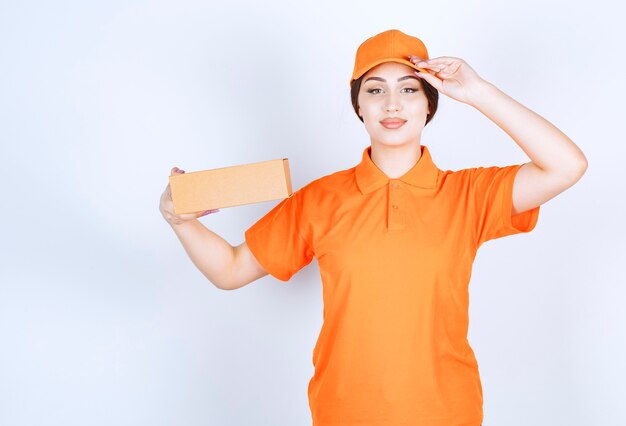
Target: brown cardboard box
230	186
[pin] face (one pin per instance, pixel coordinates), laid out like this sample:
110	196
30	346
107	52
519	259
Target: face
392	90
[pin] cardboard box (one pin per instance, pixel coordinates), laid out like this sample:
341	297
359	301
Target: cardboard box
230	186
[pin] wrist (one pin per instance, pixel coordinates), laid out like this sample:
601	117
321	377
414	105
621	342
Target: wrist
178	223
479	92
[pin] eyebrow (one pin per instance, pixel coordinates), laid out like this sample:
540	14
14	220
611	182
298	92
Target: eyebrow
384	81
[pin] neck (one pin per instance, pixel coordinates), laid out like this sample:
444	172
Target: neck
395	161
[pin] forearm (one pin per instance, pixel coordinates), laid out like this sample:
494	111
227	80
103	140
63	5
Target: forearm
548	147
209	252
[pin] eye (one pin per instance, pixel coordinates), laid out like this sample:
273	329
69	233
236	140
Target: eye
412	90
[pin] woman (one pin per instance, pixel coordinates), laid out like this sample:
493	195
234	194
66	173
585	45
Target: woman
395	238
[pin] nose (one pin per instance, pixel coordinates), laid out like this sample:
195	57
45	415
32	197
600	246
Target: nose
391	107
392	103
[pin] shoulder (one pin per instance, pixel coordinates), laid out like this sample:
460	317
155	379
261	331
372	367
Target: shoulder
453	178
336	182
483	174
467	179
478	172
326	193
481	179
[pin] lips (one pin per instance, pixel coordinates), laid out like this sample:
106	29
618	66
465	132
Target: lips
392	123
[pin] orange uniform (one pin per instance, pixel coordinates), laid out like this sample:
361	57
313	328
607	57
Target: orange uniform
395	258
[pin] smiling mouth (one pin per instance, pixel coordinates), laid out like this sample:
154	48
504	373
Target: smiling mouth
392	124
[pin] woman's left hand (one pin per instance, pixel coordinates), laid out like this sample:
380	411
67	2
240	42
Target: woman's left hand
451	76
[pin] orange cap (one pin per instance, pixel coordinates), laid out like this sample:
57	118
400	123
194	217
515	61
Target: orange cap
388	46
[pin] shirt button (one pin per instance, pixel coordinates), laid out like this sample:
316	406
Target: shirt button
394	206
396	185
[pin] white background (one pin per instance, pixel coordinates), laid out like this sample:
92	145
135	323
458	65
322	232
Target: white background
104	320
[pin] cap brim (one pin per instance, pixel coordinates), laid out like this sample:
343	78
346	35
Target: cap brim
363	70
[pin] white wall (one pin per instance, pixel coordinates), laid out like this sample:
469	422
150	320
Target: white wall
104	320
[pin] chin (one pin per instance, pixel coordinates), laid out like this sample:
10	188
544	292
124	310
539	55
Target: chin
392	143
399	139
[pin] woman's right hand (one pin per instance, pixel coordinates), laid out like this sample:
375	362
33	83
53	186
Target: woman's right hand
166	206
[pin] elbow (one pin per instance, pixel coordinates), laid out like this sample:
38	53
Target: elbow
224	285
219	286
578	164
229	281
580	170
583	166
574	171
221	283
225	279
226	288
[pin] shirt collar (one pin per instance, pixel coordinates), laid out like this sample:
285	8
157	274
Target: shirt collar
422	175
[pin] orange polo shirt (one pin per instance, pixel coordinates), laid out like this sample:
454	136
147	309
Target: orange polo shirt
395	258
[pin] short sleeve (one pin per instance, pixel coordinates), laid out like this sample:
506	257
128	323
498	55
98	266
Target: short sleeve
276	240
491	200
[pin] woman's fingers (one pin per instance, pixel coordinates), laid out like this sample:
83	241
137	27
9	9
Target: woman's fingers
176	170
173	171
427	65
441	61
206	212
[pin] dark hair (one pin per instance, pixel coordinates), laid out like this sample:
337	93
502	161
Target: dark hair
431	94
